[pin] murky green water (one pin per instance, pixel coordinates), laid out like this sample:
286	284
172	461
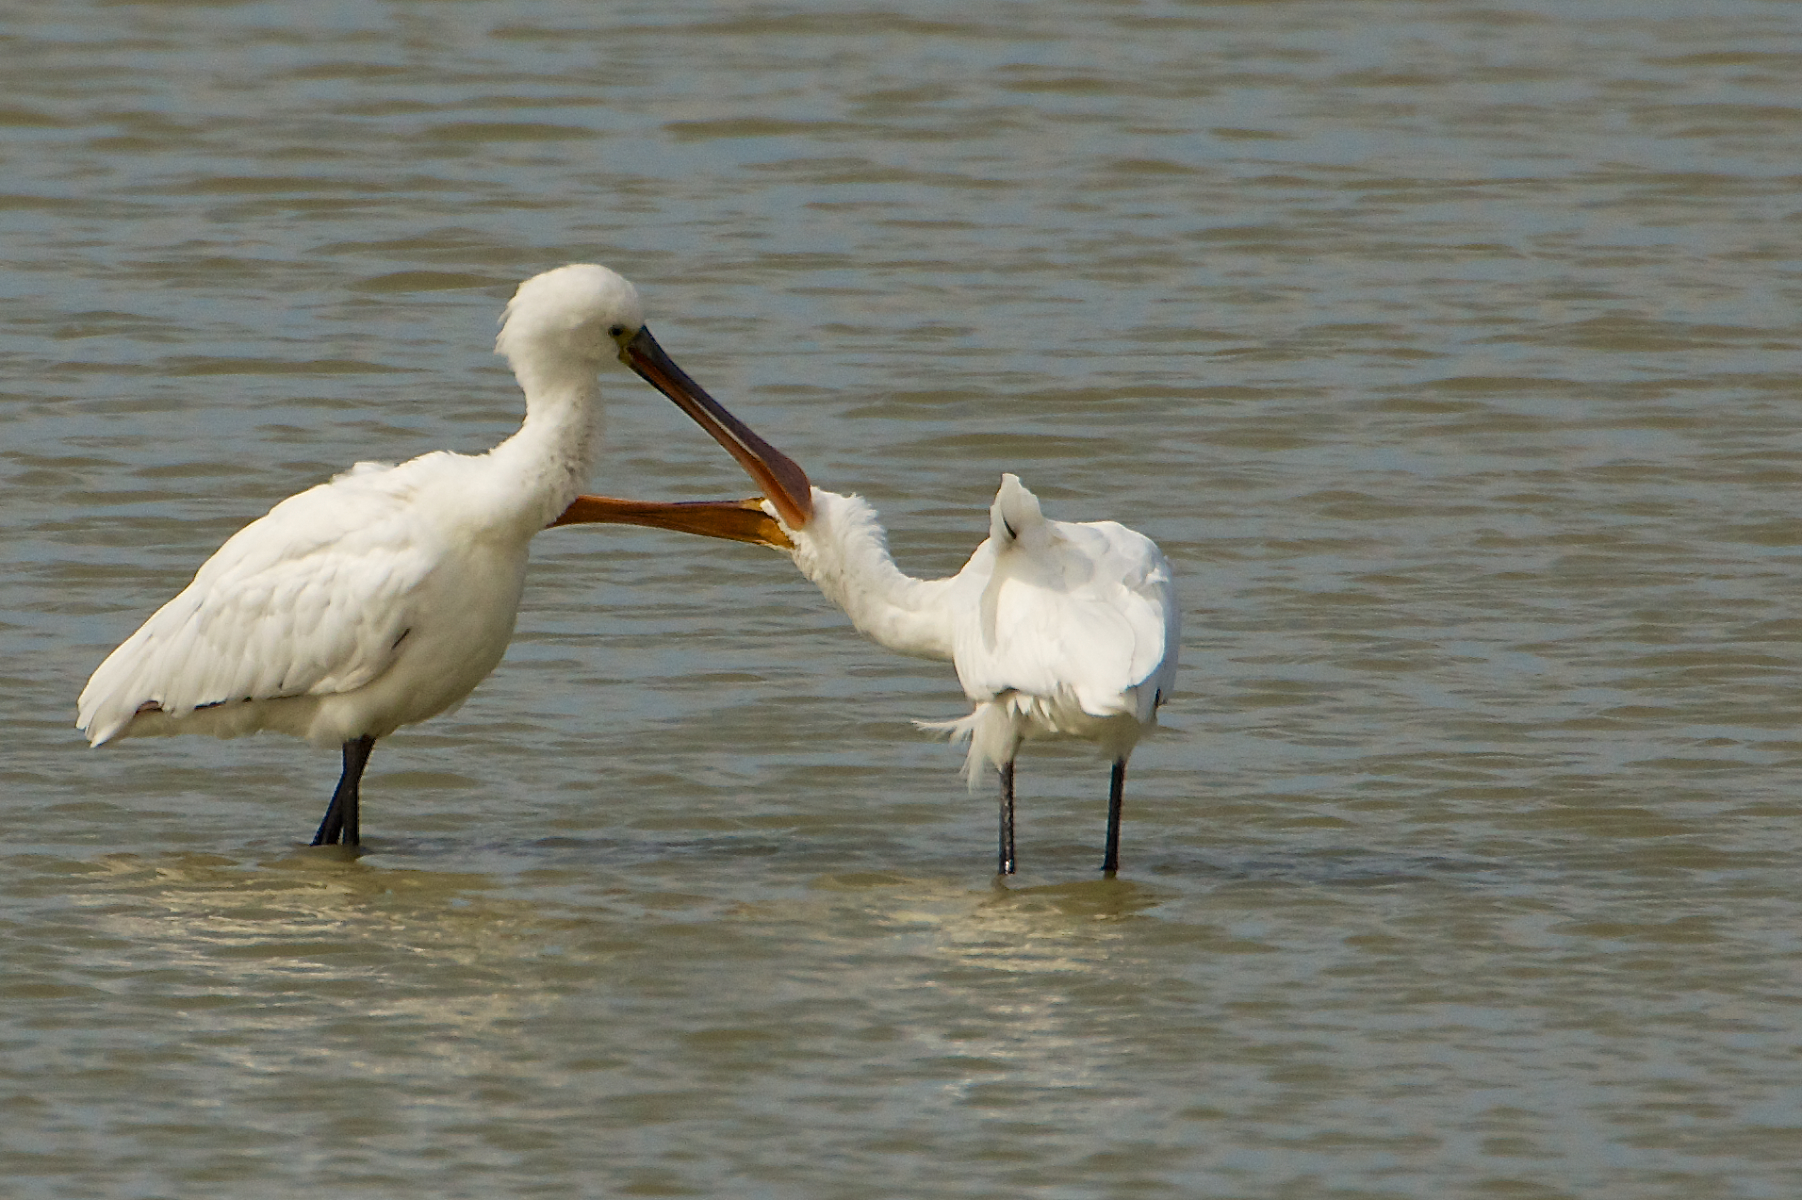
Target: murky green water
1451	352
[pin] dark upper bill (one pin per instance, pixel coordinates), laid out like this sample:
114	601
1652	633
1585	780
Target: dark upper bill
781	479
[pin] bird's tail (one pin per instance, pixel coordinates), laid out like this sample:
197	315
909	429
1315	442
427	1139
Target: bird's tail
991	732
1014	513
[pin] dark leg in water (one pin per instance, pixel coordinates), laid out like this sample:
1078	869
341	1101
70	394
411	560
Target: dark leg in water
1007	818
341	816
1110	860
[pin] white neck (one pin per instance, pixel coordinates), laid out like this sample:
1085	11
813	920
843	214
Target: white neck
844	551
548	462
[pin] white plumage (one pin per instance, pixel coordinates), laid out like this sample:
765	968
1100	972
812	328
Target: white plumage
385	596
298	622
1057	628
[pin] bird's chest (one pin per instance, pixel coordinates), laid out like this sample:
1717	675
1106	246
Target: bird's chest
464	611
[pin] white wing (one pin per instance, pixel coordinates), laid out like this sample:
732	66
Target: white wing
1091	615
309	599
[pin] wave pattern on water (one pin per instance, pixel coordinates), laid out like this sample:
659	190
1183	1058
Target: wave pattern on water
1449	351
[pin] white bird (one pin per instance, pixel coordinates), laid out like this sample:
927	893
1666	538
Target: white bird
1056	628
384	596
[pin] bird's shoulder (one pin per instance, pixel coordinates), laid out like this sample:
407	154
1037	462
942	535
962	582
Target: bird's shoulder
370	509
1103	553
347	547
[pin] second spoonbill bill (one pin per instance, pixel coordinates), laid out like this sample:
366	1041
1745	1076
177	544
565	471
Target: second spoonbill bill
1056	628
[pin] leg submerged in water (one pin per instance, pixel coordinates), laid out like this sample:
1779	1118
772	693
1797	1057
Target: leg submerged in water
341	816
1007	819
1110	859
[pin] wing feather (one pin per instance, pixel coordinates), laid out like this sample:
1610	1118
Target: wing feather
310	599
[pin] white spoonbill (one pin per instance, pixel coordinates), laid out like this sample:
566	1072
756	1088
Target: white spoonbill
384	596
1057	628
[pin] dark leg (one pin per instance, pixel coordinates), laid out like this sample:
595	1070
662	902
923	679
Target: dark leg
341	814
1110	860
1007	819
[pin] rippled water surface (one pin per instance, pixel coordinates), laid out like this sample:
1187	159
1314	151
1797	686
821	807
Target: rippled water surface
1449	350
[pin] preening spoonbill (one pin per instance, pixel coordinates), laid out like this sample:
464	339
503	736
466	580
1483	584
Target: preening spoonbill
382	597
1057	628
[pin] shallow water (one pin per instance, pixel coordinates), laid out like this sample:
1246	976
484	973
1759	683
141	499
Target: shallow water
1449	351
